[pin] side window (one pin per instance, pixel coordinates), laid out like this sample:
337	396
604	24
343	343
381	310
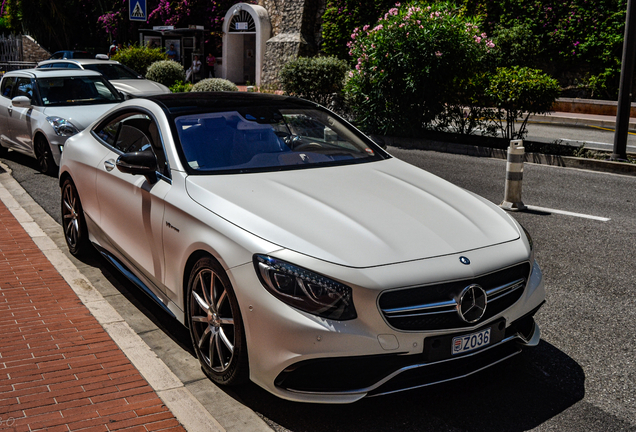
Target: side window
134	132
108	133
8	83
24	87
73	66
131	138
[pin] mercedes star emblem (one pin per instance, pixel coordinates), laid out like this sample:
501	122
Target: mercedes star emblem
471	304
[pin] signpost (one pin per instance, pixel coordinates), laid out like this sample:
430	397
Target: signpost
137	10
625	90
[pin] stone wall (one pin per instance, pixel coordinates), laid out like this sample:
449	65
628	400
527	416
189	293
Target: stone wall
296	30
275	10
32	51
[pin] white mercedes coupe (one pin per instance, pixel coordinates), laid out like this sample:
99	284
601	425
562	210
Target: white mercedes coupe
299	253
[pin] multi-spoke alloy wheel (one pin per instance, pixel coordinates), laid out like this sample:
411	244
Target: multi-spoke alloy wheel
73	221
215	323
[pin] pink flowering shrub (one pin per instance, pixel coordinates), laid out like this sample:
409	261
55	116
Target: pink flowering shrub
342	16
412	65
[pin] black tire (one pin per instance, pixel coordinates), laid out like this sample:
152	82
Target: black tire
3	151
73	220
216	325
43	155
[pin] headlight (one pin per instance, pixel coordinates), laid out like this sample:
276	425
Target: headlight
62	127
304	289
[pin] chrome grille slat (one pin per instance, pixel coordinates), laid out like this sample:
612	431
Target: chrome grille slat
502	290
449	303
439	310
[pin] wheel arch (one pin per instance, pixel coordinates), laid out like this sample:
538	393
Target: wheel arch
191	261
40	135
63	176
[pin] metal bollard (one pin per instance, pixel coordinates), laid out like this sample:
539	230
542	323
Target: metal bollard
514	176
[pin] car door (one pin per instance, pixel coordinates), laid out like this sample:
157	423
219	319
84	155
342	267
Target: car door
19	118
131	207
6	90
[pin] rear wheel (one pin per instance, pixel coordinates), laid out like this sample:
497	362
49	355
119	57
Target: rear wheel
216	326
43	155
73	221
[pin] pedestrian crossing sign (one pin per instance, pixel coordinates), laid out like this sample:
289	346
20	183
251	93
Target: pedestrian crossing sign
137	9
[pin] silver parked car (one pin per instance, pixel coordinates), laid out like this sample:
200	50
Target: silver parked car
126	80
40	109
299	253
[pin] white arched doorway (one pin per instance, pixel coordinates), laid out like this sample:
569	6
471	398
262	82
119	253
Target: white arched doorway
246	28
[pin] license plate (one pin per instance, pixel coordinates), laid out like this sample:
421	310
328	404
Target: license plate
462	344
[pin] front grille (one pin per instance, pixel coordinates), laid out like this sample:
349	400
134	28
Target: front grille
434	307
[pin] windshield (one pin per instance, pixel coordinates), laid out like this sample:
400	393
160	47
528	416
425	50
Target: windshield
76	90
267	138
113	71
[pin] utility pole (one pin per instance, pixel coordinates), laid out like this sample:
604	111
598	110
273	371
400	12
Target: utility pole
625	90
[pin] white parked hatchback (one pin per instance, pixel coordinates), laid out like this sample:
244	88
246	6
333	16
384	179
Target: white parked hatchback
40	109
126	80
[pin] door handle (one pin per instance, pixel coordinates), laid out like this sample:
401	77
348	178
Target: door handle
109	165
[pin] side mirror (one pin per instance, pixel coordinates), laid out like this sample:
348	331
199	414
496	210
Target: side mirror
139	163
21	102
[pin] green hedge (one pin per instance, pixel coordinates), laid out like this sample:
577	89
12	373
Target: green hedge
316	79
214	85
139	58
166	72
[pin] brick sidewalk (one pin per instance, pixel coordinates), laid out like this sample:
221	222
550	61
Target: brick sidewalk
59	369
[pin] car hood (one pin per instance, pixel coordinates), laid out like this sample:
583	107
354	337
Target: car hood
139	87
80	115
358	215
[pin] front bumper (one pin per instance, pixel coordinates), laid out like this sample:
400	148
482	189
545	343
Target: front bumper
301	357
385	374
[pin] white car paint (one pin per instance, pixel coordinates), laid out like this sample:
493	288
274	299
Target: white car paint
379	227
19	125
131	87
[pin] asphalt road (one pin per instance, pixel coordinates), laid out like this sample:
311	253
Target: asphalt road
593	137
582	376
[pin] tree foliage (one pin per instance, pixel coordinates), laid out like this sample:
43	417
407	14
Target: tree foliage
93	24
342	16
580	41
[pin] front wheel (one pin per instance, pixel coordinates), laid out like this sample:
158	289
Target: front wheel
45	158
73	221
216	326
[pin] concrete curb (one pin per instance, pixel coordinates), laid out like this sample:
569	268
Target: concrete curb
579	120
181	402
537	158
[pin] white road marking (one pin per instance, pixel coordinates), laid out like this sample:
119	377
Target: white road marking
567	213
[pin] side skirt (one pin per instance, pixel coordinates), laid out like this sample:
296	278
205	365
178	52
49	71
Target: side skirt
135	280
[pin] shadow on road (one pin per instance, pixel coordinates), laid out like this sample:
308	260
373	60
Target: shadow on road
518	395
